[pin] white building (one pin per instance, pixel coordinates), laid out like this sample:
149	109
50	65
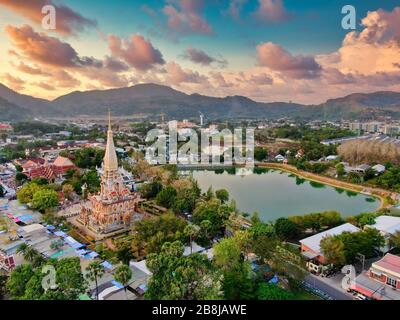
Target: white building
387	225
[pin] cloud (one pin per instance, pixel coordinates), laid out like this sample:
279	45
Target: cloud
44	85
137	52
41	48
116	65
14	82
68	21
147	9
261	79
375	49
235	8
175	75
272	11
185	16
379	27
220	80
30	70
63	79
201	57
277	59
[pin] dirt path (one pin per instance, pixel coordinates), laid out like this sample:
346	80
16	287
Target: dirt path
381	194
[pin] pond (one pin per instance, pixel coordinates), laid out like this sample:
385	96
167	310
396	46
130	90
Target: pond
274	194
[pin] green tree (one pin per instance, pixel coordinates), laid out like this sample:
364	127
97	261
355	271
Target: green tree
238	281
3	282
70	280
267	291
25	194
340	170
19	277
124	252
166	197
1	191
156	231
20	178
68	190
286	229
56	245
95	270
191	231
354	177
45	199
260	154
176	277
334	250
123	275
213	211
394	240
365	219
222	195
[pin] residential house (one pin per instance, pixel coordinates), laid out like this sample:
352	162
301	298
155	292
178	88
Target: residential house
379	169
381	281
280	158
387	225
311	250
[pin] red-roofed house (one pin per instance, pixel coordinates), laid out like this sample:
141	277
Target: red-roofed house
382	281
61	165
39	168
5	127
28	164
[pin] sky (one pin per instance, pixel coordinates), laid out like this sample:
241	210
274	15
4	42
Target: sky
267	50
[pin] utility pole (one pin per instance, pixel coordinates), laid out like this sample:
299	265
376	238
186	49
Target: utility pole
361	258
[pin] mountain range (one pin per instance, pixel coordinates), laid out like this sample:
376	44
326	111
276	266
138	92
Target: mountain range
152	100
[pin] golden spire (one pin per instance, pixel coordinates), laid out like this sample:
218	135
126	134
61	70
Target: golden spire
110	158
109	119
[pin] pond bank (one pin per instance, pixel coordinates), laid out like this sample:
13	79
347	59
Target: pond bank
381	194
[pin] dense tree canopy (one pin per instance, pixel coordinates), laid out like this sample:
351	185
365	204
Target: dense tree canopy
156	231
176	277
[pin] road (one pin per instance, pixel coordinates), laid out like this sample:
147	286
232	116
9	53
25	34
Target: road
335	292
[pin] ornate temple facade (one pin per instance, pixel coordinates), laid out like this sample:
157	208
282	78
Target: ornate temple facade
112	210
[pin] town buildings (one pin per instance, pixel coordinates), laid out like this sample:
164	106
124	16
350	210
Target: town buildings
311	250
381	281
41	168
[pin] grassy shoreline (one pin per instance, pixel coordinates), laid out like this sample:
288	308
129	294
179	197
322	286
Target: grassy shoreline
374	192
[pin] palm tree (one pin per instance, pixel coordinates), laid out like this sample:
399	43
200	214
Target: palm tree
206	227
95	270
30	254
22	248
123	275
191	231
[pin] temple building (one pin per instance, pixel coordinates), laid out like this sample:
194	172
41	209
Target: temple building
112	211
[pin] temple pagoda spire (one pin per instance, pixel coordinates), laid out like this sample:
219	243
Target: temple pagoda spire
110	158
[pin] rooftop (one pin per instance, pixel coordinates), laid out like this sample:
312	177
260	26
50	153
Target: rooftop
314	241
387	224
389	262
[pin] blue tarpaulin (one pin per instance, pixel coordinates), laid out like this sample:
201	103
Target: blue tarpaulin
107	265
25	218
50	227
73	243
117	284
60	234
274	280
93	254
